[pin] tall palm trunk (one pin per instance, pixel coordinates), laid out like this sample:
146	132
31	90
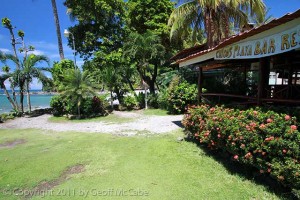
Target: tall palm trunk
21	84
28	97
12	103
208	28
16	105
111	99
78	109
13	43
58	33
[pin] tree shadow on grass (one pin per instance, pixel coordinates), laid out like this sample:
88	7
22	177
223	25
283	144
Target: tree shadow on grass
247	172
178	123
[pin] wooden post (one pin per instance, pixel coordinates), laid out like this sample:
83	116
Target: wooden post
290	77
200	85
263	79
245	79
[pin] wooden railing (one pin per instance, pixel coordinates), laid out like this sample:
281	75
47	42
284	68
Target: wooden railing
253	100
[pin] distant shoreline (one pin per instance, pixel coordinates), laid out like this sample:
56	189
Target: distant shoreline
33	93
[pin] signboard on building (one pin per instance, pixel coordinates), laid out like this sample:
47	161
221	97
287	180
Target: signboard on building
267	46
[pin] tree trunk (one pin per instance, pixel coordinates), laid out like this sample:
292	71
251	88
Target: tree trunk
14	98
8	97
227	24
57	25
200	85
208	29
149	80
21	85
21	101
78	109
111	99
13	43
129	83
119	94
28	97
151	84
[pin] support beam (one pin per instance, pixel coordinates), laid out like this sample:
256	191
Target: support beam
200	85
290	77
263	79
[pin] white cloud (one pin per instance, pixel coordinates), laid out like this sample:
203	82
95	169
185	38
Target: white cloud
35	85
7	84
80	63
5	50
36	52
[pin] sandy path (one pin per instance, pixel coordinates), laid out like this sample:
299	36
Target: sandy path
142	123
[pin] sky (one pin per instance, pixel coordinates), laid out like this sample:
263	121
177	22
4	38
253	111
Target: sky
35	18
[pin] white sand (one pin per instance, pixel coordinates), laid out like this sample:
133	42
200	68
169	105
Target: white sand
141	124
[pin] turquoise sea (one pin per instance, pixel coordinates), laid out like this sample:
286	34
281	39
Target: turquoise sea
37	101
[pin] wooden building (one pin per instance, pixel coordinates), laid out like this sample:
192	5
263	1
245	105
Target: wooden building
270	51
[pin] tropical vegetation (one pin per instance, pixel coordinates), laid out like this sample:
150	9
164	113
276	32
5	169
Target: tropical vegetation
215	18
265	140
127	45
25	68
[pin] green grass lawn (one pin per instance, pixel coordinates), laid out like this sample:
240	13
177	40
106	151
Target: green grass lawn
157	112
152	166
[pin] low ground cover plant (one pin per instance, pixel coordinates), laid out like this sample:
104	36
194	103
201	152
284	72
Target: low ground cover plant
266	140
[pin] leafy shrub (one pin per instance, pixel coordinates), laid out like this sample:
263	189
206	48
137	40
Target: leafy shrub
104	98
152	100
181	95
6	116
268	141
162	99
58	104
130	102
90	107
141	100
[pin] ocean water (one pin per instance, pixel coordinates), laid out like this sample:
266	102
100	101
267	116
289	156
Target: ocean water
37	101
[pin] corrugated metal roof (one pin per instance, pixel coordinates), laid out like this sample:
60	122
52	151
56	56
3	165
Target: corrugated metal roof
190	53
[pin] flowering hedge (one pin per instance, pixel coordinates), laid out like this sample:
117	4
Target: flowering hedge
268	141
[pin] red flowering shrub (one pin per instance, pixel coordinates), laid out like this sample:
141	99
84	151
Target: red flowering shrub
266	140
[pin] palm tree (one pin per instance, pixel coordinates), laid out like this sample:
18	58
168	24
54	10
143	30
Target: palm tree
29	71
57	25
147	51
3	78
13	79
214	16
77	85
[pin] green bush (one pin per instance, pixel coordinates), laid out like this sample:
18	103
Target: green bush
141	100
181	95
90	107
104	99
58	105
266	140
152	100
6	116
130	102
162	99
